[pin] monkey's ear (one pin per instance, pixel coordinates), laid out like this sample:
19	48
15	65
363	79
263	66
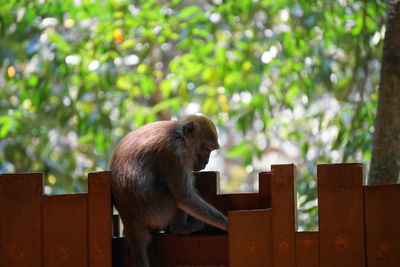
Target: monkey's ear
188	129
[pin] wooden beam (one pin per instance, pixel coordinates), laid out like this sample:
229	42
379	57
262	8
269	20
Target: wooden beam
207	185
283	192
307	249
382	206
341	215
21	219
250	238
99	219
65	230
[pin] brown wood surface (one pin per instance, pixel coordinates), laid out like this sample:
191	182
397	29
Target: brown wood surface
250	238
171	250
283	194
201	250
382	206
65	231
307	249
20	220
240	201
264	189
246	201
75	230
207	184
341	215
99	219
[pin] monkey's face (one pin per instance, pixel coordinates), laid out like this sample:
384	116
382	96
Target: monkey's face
201	136
202	158
201	161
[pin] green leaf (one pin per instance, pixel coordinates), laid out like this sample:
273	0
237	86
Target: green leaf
243	150
189	11
6	123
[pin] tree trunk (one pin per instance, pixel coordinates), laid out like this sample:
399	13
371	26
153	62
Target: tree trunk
385	162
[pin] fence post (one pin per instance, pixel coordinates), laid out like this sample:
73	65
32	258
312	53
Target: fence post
21	219
264	189
284	226
307	249
99	219
65	230
382	205
250	238
208	185
341	215
250	231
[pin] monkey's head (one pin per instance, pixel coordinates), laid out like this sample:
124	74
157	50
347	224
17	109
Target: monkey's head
201	135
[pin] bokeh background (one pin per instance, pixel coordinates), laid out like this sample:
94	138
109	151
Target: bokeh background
285	81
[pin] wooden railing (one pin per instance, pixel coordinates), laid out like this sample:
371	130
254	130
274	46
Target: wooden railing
54	231
358	225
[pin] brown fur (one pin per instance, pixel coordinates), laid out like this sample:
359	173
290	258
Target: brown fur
152	179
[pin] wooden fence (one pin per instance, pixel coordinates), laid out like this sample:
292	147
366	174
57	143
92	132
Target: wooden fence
54	231
358	225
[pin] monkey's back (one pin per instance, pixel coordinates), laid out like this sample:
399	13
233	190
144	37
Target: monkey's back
137	166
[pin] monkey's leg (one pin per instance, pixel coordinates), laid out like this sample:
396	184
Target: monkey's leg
182	224
138	238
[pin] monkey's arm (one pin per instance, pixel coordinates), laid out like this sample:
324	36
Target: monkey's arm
188	200
194	205
183	224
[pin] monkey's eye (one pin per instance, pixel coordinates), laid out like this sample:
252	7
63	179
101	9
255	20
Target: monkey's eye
209	148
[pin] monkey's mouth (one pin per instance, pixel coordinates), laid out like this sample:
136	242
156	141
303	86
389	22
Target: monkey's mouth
198	166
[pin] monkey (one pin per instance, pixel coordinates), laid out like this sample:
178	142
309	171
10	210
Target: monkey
152	181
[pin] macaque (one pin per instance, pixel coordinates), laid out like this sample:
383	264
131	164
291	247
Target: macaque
153	185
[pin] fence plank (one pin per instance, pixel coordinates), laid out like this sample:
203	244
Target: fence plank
250	238
382	204
341	215
174	250
207	184
246	201
283	194
99	219
264	189
307	249
241	201
65	230
162	251
20	219
201	250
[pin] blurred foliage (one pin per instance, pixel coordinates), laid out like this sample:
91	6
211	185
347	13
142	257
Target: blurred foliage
296	79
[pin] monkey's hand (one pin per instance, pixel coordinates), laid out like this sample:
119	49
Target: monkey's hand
195	206
182	224
192	226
